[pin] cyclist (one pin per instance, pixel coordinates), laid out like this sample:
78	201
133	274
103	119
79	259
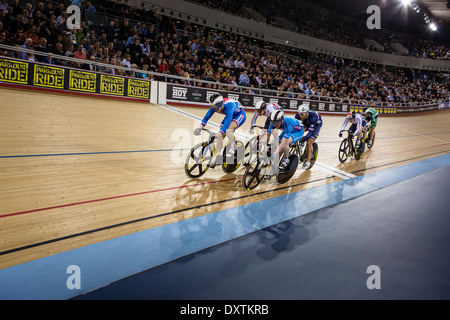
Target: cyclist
234	118
312	121
371	114
292	132
263	109
358	125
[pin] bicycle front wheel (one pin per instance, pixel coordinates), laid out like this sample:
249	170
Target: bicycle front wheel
255	173
198	160
252	150
344	151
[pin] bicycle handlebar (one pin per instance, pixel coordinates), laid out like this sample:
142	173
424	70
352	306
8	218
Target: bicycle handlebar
207	130
212	135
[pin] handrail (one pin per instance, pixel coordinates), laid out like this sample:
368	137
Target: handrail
220	86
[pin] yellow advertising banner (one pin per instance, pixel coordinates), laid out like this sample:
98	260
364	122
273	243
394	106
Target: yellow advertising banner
51	77
138	88
112	85
13	71
82	81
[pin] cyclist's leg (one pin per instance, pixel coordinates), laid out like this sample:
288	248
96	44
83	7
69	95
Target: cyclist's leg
352	129
372	133
237	121
296	136
359	136
282	151
219	142
309	150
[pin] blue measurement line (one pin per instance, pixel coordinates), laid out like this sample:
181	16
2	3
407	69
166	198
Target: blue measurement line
86	153
170	150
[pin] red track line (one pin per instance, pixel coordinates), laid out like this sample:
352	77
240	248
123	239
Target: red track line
112	198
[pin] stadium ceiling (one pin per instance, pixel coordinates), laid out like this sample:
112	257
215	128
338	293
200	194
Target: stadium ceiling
438	8
394	14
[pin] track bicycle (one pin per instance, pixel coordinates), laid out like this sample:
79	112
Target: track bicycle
300	148
255	146
347	148
201	155
264	167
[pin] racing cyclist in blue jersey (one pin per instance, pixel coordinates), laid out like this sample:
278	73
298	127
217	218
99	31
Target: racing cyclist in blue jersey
234	118
292	132
312	121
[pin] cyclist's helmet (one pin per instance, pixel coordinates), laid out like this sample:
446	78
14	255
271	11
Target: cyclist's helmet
303	108
351	115
260	105
216	100
367	113
277	116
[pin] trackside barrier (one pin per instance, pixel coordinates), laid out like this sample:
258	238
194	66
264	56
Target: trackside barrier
171	89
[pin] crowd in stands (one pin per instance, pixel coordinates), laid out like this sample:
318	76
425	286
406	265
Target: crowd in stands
171	47
321	23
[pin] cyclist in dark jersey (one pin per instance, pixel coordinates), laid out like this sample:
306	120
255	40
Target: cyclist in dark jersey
312	121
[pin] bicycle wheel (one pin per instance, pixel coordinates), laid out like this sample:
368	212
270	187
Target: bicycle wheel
198	160
360	151
233	162
283	177
252	150
344	151
255	173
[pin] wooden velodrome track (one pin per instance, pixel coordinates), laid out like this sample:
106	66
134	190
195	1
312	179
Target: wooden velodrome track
78	170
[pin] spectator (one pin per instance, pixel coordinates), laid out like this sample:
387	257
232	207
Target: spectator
126	62
244	79
31	34
111	31
90	8
42	47
80	53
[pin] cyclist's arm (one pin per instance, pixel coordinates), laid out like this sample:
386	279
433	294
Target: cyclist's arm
310	129
207	116
255	117
344	125
359	125
269	132
309	134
